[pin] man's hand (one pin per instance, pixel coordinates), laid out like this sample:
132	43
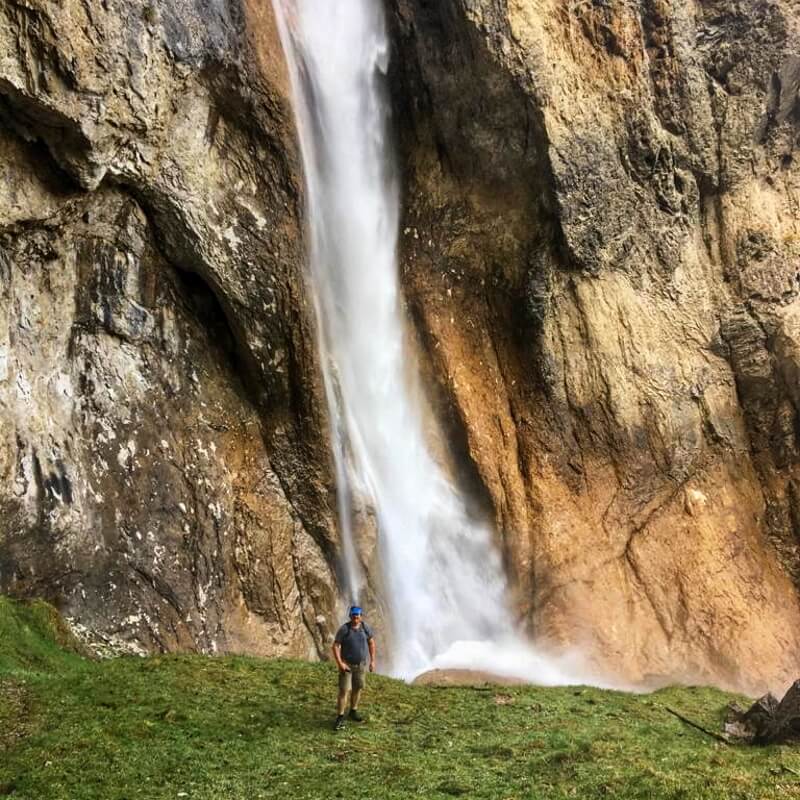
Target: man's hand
372	666
337	657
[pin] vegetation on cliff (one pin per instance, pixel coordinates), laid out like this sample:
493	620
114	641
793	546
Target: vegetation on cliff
199	727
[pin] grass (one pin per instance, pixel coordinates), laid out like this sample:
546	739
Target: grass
229	728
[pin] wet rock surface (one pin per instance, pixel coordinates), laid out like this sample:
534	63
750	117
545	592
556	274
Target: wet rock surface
464	677
601	256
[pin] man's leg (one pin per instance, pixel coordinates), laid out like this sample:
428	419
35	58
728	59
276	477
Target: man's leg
341	700
359	674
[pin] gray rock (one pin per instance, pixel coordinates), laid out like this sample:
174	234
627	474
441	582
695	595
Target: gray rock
165	472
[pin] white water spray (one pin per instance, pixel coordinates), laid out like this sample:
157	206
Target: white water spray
442	574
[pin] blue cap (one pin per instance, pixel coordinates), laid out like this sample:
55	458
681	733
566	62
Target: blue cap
355	610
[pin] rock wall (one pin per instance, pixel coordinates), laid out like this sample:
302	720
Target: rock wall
602	256
163	461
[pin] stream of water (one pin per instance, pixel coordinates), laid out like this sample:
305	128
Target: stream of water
444	584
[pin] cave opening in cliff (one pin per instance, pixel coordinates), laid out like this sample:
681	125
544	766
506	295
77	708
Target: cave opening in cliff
208	311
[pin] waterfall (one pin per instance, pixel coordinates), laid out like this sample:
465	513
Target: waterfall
441	573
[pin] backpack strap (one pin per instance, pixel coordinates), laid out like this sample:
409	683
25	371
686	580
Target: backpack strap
367	630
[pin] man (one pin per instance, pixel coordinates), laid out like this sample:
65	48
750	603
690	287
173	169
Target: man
352	646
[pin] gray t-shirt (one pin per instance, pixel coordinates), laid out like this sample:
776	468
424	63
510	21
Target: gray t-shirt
355	649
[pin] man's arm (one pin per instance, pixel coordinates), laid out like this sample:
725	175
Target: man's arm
371	643
337	656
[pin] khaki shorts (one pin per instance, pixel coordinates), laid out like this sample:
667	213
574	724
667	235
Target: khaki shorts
355	679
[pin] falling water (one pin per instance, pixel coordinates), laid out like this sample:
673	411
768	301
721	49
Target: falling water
443	577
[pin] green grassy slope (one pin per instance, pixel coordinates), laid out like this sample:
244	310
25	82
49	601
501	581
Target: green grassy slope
33	636
230	728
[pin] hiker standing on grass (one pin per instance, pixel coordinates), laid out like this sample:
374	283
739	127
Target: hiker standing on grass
352	646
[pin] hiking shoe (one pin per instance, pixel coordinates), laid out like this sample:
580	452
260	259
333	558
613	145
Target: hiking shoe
355	716
339	724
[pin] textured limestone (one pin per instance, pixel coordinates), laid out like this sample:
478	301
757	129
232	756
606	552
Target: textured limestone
602	254
164	467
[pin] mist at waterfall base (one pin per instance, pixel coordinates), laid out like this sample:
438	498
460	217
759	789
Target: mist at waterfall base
444	583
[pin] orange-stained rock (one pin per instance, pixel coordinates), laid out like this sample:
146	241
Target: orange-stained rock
601	255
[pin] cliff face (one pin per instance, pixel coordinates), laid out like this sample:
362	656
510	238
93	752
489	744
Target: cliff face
602	255
164	471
